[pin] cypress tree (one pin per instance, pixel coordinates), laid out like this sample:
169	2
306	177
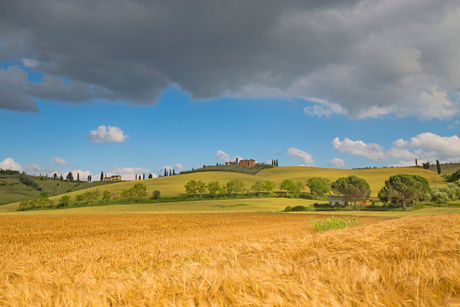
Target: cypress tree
135	177
438	165
78	176
143	176
170	172
102	176
416	162
174	171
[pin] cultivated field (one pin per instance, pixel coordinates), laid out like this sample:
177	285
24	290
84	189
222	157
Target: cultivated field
174	185
233	259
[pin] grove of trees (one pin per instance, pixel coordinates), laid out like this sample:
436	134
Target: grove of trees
352	188
404	188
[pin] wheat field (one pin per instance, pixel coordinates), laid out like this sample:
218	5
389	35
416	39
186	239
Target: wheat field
232	259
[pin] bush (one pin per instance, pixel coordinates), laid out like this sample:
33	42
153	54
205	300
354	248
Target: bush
156	194
27	180
297	209
333	223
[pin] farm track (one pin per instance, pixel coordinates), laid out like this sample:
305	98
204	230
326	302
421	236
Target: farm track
236	259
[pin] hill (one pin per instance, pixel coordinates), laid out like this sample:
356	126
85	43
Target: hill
12	190
174	185
446	168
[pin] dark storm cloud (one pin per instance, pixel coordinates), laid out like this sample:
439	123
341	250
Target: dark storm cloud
361	58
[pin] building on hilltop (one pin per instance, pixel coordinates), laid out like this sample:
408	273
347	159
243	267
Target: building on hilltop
113	178
247	163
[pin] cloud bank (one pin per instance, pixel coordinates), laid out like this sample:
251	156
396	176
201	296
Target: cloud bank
425	147
360	58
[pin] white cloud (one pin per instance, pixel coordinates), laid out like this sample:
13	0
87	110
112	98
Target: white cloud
59	161
128	170
31	168
301	155
425	147
220	155
429	146
31	63
179	166
401	153
276	152
109	134
337	162
9	163
359	148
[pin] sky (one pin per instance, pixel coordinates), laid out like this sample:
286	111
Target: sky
136	87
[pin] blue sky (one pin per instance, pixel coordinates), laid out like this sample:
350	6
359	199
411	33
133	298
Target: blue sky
129	105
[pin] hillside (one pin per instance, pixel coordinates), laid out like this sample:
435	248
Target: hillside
12	190
446	168
174	185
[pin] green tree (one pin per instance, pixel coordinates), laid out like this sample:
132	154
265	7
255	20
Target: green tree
229	188
191	187
150	176
102	176
106	196
139	190
257	187
126	194
78	176
426	165
201	187
80	198
43	200
64	200
213	188
405	188
238	186
94	195
438	166
156	194
292	188
319	186
352	188
416	162
269	186
223	190
23	205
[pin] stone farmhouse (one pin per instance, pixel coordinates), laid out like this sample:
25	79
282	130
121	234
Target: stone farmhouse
113	178
247	163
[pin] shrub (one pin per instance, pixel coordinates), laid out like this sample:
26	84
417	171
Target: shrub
333	223
156	194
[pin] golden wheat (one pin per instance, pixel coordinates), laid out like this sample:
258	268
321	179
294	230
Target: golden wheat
240	259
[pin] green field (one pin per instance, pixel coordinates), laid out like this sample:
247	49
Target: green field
12	190
174	185
220	206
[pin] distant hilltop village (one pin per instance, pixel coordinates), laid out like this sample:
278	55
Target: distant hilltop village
247	163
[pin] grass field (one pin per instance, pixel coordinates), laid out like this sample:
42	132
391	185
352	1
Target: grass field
224	205
174	185
218	206
232	259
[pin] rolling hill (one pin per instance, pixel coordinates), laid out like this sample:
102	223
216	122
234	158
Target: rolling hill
174	185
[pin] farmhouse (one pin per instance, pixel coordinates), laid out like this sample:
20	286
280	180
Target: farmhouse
113	178
247	163
333	199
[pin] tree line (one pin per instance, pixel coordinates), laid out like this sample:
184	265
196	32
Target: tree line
94	196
